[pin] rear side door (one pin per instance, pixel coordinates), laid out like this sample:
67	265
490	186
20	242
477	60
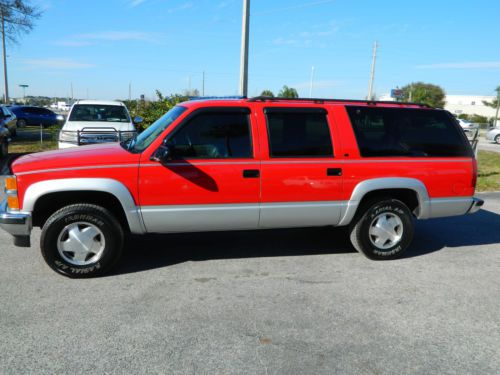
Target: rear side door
301	178
213	180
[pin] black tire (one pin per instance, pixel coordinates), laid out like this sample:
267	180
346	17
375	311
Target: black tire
81	217
497	139
376	216
21	123
4	148
13	132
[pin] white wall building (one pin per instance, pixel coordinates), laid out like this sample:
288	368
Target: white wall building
470	105
463	104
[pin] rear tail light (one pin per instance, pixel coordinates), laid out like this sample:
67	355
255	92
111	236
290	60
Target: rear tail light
474	172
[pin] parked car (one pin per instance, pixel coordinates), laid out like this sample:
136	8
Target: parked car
28	115
4	142
9	120
95	121
466	125
260	163
493	135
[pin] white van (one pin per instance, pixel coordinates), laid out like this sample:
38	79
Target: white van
97	121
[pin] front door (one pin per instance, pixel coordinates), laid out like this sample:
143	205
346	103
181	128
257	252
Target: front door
213	180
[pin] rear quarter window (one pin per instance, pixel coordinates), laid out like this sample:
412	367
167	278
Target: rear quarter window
407	132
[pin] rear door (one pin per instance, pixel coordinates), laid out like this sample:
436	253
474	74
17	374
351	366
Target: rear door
213	179
301	178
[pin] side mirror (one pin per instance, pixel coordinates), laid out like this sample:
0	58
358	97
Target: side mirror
163	154
138	120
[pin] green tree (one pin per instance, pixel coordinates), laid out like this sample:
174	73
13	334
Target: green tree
425	93
494	103
288	92
151	111
16	17
267	93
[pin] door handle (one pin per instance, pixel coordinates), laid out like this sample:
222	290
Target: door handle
336	172
251	173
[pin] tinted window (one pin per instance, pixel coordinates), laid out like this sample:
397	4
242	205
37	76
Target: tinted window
406	132
213	135
298	133
96	112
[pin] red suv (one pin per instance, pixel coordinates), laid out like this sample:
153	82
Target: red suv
245	164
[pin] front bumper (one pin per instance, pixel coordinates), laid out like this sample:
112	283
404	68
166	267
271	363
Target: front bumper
17	224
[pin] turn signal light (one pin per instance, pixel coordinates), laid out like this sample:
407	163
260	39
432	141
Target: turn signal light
13	202
11	183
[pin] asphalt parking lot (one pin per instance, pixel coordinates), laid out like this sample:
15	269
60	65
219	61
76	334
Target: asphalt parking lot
270	302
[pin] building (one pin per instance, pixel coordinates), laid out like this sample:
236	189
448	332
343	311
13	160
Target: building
463	104
470	105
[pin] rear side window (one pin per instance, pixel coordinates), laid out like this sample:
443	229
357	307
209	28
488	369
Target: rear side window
407	132
298	133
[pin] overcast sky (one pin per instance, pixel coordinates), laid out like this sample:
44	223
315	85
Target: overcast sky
100	46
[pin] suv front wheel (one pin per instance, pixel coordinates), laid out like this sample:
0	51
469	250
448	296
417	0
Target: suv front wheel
81	240
383	229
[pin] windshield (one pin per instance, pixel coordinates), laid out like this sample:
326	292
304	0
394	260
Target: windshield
100	113
148	136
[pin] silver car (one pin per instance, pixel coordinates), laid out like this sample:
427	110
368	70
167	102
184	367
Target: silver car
494	135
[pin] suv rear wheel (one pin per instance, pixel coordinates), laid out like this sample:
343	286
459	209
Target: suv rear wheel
383	229
81	240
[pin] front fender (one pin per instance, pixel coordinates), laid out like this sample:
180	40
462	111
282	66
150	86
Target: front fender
106	185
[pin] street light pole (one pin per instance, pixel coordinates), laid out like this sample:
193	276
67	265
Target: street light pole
495	122
372	73
244	49
312	83
4	59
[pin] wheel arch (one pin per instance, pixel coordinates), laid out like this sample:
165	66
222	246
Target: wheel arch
410	191
109	193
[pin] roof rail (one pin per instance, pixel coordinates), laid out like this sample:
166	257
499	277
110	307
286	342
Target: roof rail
322	100
235	97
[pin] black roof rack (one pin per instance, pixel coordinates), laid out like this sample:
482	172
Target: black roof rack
321	101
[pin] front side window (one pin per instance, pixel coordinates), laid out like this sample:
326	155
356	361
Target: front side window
213	135
298	133
99	113
406	132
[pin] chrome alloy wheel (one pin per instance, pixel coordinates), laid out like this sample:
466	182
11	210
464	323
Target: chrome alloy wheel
81	244
386	230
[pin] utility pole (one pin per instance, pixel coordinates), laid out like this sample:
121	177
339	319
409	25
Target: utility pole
6	98
245	28
312	83
372	74
203	85
129	91
71	91
495	123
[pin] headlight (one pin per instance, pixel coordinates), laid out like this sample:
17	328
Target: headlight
60	118
67	136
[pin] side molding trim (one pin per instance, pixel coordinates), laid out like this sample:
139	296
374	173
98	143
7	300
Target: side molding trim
106	185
